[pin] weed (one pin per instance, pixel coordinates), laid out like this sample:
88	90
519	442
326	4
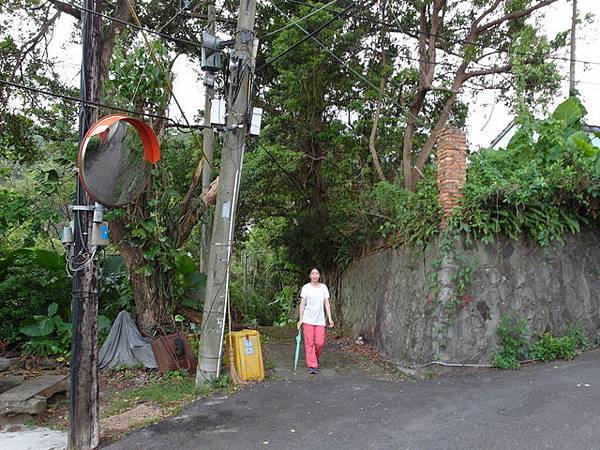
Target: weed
164	392
514	346
221	382
548	347
178	375
578	337
269	364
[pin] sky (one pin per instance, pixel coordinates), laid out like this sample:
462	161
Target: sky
487	118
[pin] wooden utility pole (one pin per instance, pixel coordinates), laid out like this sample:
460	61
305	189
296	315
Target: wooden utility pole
83	425
572	90
238	112
207	148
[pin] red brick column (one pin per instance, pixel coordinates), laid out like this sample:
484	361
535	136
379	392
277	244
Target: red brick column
451	170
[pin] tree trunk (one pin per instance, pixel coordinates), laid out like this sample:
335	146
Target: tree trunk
151	294
152	304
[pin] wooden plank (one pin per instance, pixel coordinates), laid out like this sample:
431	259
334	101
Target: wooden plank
44	386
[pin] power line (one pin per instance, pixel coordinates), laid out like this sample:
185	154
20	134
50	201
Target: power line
337	58
161	68
97	104
132	25
292	23
414	35
296	23
308	36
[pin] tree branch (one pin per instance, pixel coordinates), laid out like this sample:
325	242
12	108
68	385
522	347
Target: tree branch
376	162
66	8
198	207
488	71
380	93
196	180
30	45
417	170
109	35
427	54
514	15
487	12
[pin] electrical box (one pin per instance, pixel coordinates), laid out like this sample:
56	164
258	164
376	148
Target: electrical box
217	111
66	236
99	234
244	346
255	122
211	52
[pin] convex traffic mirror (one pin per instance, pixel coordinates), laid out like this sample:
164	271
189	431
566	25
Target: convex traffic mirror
115	158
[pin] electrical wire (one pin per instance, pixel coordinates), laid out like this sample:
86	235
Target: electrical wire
338	59
291	24
414	34
98	104
308	36
163	71
132	25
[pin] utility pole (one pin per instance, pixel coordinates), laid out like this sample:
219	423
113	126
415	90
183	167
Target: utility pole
207	147
83	424
242	62
572	90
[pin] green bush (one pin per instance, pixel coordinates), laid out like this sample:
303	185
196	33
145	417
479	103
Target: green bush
30	281
48	334
514	345
542	186
513	342
549	348
579	339
409	216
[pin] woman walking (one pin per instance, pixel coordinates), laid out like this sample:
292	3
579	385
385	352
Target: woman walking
314	302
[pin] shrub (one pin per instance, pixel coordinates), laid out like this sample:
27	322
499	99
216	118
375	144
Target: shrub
542	186
30	281
513	342
548	347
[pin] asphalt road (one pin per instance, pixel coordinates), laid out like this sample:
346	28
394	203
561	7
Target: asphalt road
547	406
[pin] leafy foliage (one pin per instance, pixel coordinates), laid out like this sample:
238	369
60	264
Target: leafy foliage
48	334
513	343
543	185
548	348
411	217
32	282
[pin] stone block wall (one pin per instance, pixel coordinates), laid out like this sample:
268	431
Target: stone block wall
398	299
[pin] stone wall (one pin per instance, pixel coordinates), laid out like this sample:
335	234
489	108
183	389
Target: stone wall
407	301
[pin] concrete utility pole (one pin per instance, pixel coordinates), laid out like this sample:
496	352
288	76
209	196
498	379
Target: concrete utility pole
207	147
238	112
572	90
83	424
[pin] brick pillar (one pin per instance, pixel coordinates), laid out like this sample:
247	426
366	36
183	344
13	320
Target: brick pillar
451	170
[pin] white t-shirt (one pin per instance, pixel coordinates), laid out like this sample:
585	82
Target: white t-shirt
314	313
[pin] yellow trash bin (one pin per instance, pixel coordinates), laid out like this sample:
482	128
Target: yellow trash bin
247	354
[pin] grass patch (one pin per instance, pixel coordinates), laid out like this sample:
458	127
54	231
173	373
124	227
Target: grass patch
165	392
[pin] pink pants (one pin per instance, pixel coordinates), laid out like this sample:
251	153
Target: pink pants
314	340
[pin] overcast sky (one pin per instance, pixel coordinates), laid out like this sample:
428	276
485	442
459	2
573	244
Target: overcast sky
486	118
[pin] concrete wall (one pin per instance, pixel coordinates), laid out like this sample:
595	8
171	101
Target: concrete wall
403	299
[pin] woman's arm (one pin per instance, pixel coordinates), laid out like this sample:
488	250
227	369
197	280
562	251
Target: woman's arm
302	302
328	311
